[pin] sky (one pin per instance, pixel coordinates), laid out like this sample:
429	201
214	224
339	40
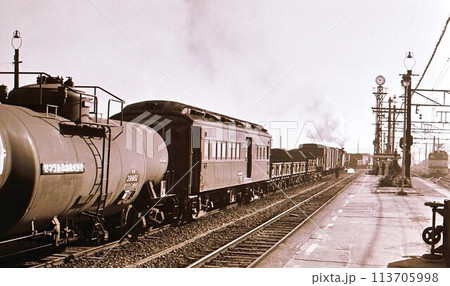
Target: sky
305	70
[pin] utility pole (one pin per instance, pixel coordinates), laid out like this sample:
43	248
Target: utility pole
393	124
389	145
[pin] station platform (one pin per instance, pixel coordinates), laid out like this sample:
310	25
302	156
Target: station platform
365	227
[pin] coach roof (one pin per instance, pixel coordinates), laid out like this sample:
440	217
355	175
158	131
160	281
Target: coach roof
187	111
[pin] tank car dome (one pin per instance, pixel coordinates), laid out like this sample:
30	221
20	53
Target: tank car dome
49	91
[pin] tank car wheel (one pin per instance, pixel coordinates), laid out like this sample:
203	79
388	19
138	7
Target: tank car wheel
431	235
130	224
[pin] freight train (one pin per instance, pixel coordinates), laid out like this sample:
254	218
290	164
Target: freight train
67	174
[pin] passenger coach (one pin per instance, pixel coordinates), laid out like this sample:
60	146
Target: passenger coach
214	159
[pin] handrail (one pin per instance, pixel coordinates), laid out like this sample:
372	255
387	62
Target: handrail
121	110
79	92
114	99
102	89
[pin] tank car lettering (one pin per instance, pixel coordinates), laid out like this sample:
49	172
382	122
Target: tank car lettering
62	168
133	177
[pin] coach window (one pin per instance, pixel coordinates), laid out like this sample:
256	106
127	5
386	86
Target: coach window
213	150
219	150
233	151
224	150
238	151
206	150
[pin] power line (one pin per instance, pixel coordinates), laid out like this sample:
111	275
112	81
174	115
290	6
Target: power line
434	52
442	73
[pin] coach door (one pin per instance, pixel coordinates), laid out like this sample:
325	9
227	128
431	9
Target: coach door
248	156
196	160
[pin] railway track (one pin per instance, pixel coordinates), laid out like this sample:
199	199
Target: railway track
73	253
444	182
106	256
209	245
51	258
194	239
248	249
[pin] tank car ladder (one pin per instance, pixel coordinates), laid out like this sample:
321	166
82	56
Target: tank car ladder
100	187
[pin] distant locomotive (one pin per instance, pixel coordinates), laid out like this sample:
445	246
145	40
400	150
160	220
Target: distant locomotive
438	163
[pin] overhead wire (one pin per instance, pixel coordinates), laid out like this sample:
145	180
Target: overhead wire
433	54
442	73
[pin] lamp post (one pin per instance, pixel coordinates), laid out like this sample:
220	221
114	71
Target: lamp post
409	63
16	43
